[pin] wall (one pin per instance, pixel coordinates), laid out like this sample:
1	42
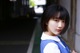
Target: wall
66	4
77	36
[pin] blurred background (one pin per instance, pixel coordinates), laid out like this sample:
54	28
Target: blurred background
20	29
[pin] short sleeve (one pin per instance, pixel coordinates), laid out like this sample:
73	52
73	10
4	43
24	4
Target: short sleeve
51	48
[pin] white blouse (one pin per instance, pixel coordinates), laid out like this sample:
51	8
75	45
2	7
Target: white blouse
51	47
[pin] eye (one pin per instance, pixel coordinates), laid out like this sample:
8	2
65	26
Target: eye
63	21
57	20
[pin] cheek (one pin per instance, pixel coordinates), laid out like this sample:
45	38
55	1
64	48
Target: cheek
63	25
52	25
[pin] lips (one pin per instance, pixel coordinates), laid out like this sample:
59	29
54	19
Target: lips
59	30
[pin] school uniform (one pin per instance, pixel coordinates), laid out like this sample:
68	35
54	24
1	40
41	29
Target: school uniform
52	44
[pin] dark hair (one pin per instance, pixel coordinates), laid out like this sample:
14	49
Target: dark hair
52	11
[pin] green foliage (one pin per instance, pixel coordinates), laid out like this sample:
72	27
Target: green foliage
32	3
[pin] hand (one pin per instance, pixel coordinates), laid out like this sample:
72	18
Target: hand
73	51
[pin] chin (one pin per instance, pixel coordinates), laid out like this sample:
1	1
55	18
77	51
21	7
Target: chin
57	33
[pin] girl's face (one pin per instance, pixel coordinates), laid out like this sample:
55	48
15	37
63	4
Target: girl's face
55	26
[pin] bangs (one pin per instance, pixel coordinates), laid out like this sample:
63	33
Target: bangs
60	15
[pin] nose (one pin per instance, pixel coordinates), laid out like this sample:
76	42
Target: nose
60	24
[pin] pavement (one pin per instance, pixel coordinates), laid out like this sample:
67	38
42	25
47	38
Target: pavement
15	34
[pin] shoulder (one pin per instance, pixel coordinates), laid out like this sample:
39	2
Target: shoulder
51	44
51	48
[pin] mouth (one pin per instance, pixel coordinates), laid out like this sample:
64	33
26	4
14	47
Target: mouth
59	30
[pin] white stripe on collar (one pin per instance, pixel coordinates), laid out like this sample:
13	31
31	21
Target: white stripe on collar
46	36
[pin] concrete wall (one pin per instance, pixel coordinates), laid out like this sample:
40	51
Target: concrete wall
66	4
77	36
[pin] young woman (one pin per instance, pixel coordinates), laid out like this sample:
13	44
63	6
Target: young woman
54	22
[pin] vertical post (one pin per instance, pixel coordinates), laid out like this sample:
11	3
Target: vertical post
72	29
